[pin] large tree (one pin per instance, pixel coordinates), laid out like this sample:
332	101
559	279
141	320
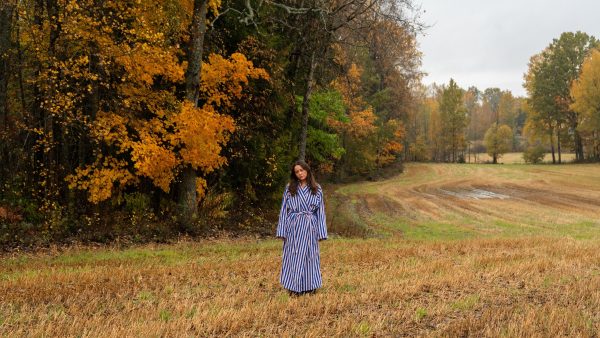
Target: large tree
586	100
548	82
454	120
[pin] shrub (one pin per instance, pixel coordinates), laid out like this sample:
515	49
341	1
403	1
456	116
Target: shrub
534	154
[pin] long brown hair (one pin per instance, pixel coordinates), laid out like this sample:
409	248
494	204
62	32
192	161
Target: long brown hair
310	180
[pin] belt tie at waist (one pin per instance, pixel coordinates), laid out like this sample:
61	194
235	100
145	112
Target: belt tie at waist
308	213
297	245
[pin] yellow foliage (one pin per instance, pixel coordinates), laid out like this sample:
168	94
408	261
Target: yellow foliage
586	92
144	63
201	187
111	129
213	6
223	80
100	178
200	133
154	160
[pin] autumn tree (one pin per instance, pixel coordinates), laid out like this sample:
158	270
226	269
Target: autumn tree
548	82
358	129
498	141
586	100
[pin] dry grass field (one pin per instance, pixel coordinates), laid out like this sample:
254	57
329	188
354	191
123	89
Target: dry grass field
453	250
442	201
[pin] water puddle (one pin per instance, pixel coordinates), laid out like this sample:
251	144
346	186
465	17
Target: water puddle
474	194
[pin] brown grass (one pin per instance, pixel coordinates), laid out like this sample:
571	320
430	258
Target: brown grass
543	199
520	267
526	287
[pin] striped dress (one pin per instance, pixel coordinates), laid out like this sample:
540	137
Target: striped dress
301	225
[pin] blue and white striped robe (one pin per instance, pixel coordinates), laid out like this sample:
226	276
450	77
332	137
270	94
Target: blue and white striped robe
302	225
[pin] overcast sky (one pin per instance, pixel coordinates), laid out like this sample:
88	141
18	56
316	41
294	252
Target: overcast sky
488	43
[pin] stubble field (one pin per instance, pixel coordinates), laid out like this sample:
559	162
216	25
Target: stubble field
451	250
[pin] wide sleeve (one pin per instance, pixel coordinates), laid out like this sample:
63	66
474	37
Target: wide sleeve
282	225
321	221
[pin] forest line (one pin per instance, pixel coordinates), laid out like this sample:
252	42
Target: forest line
148	119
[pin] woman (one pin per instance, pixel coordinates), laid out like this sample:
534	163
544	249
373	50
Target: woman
302	226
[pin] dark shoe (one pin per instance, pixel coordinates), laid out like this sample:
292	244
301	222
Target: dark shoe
294	293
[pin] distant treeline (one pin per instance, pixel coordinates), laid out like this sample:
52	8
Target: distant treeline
143	119
561	112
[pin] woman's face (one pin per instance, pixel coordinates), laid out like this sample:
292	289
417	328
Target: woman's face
300	173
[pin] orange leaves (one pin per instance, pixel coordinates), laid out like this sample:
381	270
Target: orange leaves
144	62
111	129
223	80
126	62
159	145
362	123
393	147
391	133
362	120
153	160
201	132
100	178
350	87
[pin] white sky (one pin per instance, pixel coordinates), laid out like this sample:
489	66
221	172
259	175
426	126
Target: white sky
488	43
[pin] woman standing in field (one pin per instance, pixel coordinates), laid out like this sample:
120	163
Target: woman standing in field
301	226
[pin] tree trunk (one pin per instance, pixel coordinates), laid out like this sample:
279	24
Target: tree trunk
20	72
597	146
558	146
6	14
195	50
578	145
552	146
596	150
469	151
305	107
187	185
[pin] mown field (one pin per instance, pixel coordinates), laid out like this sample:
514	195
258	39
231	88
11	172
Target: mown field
450	250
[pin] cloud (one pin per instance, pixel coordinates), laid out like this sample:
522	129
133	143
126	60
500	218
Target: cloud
488	44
